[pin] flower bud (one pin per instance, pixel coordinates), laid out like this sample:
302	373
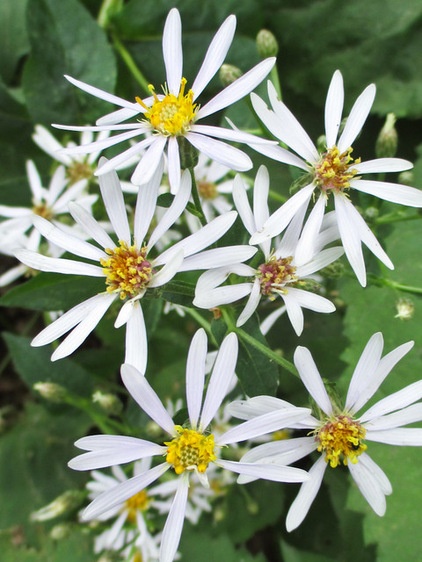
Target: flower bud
67	502
266	44
228	74
407	178
51	391
386	145
110	403
60	531
405	309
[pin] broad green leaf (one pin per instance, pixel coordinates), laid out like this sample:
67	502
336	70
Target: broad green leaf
199	546
65	40
13	36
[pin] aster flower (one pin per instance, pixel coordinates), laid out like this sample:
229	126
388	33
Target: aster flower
191	448
51	202
340	434
334	172
127	266
280	275
173	116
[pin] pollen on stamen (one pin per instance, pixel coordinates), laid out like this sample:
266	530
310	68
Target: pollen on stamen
127	270
275	274
334	171
172	115
190	450
341	439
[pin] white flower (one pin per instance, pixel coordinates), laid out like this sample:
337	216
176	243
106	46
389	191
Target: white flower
341	434
335	171
128	267
190	448
281	273
51	202
174	114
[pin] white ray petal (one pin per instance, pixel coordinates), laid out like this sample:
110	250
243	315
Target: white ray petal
382	165
146	202
136	353
105	143
312	379
334	108
306	250
174	524
57	265
221	295
395	401
311	301
109	442
221	152
216	53
266	471
307	493
91	226
238	89
146	397
100	93
234	135
369	486
195	375
294	312
251	305
357	118
115	117
218	257
127	156
149	161
169	270
405	416
172	50
396	193
321	260
112	195
241	202
116	455
173	164
220	379
260	197
401	436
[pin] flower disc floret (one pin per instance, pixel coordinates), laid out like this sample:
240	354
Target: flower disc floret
341	439
79	171
127	270
138	502
275	273
207	190
190	450
334	170
172	115
43	210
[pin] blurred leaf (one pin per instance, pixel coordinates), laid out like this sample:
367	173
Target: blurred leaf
13	36
65	40
195	544
52	291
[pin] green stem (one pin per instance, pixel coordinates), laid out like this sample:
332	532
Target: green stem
196	199
403	288
130	63
203	323
258	345
275	79
397	217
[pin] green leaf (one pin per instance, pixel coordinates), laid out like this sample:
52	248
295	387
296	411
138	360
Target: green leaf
65	40
52	291
199	546
13	36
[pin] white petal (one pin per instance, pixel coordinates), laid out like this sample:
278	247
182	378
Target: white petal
221	295
334	108
100	93
260	197
309	300
312	379
127	156
261	425
218	257
220	379
100	145
172	50
195	375
266	471
111	119
271	319
294	312
369	486
119	454
405	416
112	195
357	118
221	152
109	442
146	397
381	165
238	89
173	164
307	493
173	266
322	259
216	53
90	225
365	369
396	401
145	206
241	202
123	492
79	334
407	436
306	249
251	305
174	525
58	265
234	135
136	353
396	193
149	161
34	181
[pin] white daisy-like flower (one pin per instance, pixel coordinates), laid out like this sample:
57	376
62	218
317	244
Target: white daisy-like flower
174	115
282	272
191	448
129	267
51	202
340	434
335	172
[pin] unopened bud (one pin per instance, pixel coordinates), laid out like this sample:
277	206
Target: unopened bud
51	391
110	403
386	145
188	154
67	502
228	74
371	213
60	532
405	309
266	44
334	270
407	178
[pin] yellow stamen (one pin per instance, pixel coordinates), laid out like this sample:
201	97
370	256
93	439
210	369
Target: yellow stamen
43	210
207	190
334	170
190	450
127	270
275	274
138	502
341	439
172	115
79	171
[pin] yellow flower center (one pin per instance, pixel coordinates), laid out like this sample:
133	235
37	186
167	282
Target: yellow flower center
275	274
341	439
172	115
127	270
207	190
138	502
334	170
43	210
190	450
79	171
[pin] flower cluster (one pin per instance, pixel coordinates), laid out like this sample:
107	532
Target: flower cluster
190	231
